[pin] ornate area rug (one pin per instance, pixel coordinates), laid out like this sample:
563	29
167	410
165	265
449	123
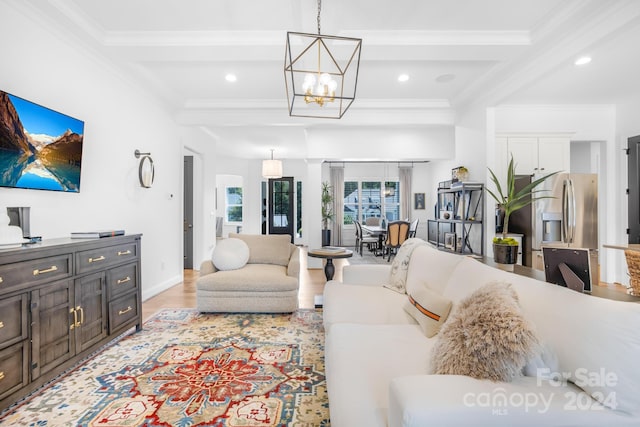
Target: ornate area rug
190	369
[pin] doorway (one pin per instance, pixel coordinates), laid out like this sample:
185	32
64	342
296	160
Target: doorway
187	224
281	206
633	189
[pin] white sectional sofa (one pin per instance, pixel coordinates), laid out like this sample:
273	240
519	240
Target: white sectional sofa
378	358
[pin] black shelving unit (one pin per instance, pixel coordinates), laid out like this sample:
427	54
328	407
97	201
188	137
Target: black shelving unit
460	210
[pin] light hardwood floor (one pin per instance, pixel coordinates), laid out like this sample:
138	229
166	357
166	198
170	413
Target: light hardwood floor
183	295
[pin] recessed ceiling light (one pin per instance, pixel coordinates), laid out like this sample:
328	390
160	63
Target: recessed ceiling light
403	77
445	78
583	60
230	77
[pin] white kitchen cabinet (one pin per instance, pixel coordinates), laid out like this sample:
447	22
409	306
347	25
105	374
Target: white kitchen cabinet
538	154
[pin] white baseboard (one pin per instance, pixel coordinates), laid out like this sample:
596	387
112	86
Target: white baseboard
160	287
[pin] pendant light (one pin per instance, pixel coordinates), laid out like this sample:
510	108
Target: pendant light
271	169
321	73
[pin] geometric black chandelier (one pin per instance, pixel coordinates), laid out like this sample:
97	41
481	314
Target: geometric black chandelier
321	73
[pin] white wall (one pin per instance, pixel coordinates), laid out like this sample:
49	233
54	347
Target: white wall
42	67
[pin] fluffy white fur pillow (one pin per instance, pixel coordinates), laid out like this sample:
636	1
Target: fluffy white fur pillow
230	254
486	337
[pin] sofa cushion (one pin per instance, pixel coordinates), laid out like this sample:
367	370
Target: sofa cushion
400	265
430	268
612	341
344	303
486	337
267	249
230	254
429	309
252	277
361	360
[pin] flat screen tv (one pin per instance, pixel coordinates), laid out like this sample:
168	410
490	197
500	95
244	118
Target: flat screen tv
39	148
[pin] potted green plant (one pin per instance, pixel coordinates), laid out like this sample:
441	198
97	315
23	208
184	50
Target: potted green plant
326	202
505	249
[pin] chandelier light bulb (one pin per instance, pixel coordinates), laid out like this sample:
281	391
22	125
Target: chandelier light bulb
325	78
309	82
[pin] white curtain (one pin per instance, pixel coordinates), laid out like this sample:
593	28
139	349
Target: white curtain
404	173
337	183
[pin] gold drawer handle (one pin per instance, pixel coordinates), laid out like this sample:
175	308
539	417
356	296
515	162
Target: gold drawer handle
100	258
125	280
75	318
1	376
127	252
121	312
46	270
1	325
1	279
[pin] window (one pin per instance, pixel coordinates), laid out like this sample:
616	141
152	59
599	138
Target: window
233	204
369	199
351	205
392	200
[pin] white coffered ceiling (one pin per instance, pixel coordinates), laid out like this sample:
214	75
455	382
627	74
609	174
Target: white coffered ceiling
498	51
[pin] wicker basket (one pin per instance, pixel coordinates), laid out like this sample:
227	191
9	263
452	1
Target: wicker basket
633	264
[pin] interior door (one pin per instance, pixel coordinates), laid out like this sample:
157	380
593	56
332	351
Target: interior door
634	189
188	213
281	206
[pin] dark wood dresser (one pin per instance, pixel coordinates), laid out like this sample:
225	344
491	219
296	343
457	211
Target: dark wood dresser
60	300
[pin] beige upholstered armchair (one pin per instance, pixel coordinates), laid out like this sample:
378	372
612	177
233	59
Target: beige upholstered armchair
267	283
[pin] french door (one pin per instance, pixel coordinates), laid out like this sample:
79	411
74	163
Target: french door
281	218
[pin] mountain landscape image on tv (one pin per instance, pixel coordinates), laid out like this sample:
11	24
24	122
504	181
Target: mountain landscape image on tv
39	148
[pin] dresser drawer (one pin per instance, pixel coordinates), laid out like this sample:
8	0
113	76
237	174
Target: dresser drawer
13	320
121	280
122	310
37	270
97	259
14	372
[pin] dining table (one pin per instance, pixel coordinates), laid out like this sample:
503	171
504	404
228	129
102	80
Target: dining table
376	231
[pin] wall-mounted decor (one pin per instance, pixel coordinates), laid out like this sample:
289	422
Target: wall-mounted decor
146	170
418	200
40	149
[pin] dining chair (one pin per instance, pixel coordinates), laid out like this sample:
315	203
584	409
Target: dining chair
362	239
413	228
397	233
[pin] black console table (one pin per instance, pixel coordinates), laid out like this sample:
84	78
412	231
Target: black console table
60	300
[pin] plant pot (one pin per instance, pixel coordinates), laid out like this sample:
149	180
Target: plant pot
505	254
326	237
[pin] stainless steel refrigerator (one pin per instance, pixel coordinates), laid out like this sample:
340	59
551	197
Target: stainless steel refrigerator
570	218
